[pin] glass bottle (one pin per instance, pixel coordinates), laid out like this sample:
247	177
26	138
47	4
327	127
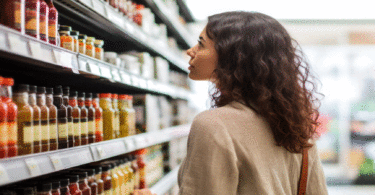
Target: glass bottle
131	115
135	168
24	120
11	117
32	18
98	179
98	118
3	123
91	181
99	52
90	48
76	113
115	180
82	43
91	117
131	172
108	116
62	120
84	119
124	122
107	179
117	115
36	116
70	116
75	34
52	22
53	129
23	191
66	41
64	189
41	102
73	184
142	169
83	184
44	189
56	187
43	21
121	177
13	14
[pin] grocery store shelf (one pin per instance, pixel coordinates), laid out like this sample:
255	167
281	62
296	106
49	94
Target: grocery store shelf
104	20
185	11
24	167
172	22
23	48
166	183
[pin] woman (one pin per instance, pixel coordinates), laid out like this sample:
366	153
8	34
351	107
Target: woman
264	113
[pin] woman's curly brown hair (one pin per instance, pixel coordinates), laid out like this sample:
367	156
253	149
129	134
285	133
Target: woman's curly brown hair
260	64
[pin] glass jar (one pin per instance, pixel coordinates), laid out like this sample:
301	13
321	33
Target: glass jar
66	40
13	14
108	116
82	43
99	52
90	48
75	34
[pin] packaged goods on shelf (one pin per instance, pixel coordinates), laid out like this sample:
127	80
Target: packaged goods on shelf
165	112
155	164
179	79
131	63
147	113
161	70
147	65
180	110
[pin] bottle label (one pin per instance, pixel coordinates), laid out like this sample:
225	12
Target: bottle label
76	47
31	22
63	130
12	132
53	130
131	121
77	127
17	15
91	126
82	48
45	130
28	132
84	127
37	131
68	45
52	30
90	51
108	192
99	125
43	27
3	133
99	53
70	128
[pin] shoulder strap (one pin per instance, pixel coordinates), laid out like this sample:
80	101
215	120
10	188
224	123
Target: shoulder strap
304	171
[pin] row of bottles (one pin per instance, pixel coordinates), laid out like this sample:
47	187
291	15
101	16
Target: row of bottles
40	119
118	176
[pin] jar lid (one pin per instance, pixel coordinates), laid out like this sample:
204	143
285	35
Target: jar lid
105	95
82	36
64	32
110	54
90	39
74	33
41	90
21	88
122	97
45	187
8	81
114	96
89	95
65	28
81	94
66	91
49	90
58	90
32	89
99	42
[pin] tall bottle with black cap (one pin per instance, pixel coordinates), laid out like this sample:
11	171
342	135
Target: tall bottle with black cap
56	185
36	117
91	117
53	130
98	118
70	116
24	120
62	118
84	118
76	113
73	184
64	186
41	102
44	188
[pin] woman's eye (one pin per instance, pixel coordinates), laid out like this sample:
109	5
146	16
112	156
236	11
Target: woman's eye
200	43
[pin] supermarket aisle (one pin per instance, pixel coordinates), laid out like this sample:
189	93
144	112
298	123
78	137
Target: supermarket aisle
351	190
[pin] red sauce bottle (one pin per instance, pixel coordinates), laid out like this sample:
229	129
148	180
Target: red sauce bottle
32	18
52	22
44	189
84	118
64	186
98	118
107	179
98	179
83	184
56	187
91	118
43	21
73	186
3	123
142	168
76	113
91	180
13	14
12	117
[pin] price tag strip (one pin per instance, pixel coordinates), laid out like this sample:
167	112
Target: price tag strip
129	27
87	2
94	69
135	81
57	162
3	41
114	17
33	167
82	65
36	50
125	78
3	175
17	45
129	143
66	59
101	152
98	7
142	83
116	75
106	72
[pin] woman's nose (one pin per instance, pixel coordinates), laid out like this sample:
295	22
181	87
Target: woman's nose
191	52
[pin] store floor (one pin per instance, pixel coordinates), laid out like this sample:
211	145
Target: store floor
351	190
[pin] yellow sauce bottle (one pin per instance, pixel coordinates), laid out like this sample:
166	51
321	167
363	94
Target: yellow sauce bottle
131	115
108	116
115	180
131	175
124	122
117	115
127	177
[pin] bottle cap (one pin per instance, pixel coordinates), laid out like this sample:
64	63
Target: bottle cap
49	90
56	184
95	95
90	172
32	89
66	91
82	36
73	94
73	178
8	81
23	191
122	96
44	187
65	28
21	88
98	168
99	43
81	174
64	182
81	94
114	96
105	95
41	90
90	39
58	90
106	167
89	95
74	33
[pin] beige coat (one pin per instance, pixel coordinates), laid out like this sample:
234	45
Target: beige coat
231	150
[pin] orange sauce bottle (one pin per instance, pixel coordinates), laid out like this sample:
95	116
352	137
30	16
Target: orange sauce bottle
84	118
36	116
98	119
53	129
91	117
70	117
41	101
76	113
24	120
117	115
12	117
3	123
62	120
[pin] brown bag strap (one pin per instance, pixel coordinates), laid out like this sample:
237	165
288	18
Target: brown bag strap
304	171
